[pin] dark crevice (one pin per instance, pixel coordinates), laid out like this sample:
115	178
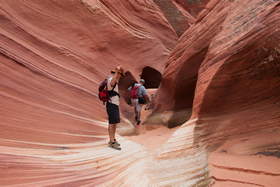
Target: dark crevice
186	80
151	76
275	152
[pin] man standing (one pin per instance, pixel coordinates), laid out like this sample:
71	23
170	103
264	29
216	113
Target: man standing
112	106
139	97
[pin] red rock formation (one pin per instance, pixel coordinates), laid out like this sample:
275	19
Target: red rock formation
177	17
53	55
193	7
181	14
223	74
226	70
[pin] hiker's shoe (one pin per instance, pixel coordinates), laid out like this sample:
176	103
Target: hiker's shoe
117	142
138	122
114	145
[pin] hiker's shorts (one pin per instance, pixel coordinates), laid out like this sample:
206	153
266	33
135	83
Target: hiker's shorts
136	104
113	113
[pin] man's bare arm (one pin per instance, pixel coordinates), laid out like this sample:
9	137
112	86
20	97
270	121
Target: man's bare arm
116	76
115	79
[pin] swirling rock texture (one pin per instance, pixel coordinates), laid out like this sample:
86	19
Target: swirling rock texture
53	56
224	76
221	81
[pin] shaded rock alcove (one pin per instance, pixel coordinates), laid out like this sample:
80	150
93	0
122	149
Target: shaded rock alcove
184	90
176	101
151	76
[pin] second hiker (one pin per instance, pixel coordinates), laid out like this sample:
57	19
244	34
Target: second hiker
139	97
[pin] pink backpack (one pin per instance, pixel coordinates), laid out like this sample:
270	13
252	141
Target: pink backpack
134	92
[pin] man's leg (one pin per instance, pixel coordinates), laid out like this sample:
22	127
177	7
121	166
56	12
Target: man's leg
111	115
112	132
113	142
138	110
134	104
114	118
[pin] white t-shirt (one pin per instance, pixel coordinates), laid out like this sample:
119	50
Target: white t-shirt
115	99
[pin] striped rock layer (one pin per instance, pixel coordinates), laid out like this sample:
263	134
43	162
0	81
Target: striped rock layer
53	56
222	74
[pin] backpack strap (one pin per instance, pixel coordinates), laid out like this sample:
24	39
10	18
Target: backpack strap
106	85
114	87
112	92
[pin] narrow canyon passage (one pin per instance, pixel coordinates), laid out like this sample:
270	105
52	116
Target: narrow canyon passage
151	136
212	69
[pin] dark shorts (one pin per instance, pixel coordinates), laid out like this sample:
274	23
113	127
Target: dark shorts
113	113
142	100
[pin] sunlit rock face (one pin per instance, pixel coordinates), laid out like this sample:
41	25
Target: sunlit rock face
223	75
225	70
53	55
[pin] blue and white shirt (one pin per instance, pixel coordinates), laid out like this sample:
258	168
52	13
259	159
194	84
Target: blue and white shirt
141	90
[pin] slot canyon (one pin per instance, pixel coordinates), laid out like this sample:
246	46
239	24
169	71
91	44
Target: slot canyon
211	68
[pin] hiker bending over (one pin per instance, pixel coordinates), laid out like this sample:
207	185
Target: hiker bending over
139	97
108	93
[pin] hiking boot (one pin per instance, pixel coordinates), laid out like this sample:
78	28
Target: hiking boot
114	145
138	122
117	142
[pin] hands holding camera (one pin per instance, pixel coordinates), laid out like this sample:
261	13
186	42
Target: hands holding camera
120	70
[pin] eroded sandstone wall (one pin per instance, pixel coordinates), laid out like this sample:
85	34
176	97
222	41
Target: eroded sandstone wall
232	35
53	55
223	75
225	69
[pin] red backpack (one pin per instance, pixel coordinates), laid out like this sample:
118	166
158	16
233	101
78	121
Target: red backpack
103	91
134	92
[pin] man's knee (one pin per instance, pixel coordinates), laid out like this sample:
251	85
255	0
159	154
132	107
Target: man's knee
139	108
111	126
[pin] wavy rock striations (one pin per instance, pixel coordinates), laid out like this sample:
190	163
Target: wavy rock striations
221	81
53	55
225	71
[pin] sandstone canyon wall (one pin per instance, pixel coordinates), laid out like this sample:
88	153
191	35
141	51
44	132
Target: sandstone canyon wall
224	76
53	56
220	83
